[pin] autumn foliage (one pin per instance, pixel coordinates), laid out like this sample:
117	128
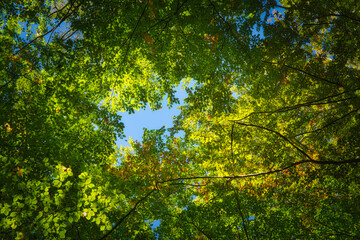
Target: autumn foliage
266	145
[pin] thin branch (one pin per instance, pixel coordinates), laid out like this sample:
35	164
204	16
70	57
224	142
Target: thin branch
231	28
241	214
339	233
179	217
8	82
188	184
167	19
312	103
128	214
280	135
305	72
70	35
355	160
61	21
133	31
306	104
279	6
78	233
40	36
14	76
317	24
345	16
69	30
231	144
323	224
199	229
59	10
329	124
51	30
179	7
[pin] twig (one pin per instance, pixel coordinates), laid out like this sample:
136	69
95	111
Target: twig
51	30
59	10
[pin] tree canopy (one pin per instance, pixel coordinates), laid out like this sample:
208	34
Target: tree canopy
266	146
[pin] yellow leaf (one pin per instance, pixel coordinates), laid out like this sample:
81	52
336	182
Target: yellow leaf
8	128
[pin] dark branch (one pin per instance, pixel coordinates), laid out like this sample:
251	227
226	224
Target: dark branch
70	35
133	31
345	16
241	214
312	75
280	135
59	10
329	124
233	32
199	229
305	72
355	160
306	104
128	214
50	31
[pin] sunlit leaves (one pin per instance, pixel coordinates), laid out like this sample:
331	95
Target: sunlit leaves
268	141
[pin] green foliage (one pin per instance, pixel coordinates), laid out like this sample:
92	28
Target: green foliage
269	145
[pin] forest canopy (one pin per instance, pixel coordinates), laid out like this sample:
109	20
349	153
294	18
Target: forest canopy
266	146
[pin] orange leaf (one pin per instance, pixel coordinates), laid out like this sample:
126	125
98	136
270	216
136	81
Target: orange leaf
148	39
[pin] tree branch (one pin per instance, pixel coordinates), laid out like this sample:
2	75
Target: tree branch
199	229
59	10
305	72
241	214
51	30
128	214
329	124
231	29
345	16
306	104
133	31
280	135
355	160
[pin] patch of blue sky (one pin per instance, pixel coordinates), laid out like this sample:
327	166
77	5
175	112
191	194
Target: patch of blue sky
146	118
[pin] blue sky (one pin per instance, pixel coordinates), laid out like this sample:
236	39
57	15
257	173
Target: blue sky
136	122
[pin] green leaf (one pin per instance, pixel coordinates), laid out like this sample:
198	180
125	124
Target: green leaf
265	144
62	234
57	183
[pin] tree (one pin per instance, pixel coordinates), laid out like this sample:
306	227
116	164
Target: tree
269	143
